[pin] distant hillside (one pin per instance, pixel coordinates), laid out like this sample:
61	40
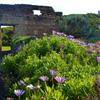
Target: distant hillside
85	26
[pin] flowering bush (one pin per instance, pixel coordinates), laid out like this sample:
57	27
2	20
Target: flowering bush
40	91
70	59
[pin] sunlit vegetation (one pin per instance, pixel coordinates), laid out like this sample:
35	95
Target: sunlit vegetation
6	48
56	67
76	70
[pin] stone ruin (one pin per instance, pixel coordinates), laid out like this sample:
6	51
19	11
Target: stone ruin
25	22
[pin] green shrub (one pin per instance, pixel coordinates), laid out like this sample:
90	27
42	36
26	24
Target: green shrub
70	59
7	36
84	26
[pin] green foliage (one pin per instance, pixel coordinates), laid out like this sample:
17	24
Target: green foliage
21	40
6	48
53	94
83	26
47	92
7	36
77	89
70	59
7	29
94	39
75	24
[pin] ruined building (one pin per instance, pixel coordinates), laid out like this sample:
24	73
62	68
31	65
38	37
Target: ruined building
24	21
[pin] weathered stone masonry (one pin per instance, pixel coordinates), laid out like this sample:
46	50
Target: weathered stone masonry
22	17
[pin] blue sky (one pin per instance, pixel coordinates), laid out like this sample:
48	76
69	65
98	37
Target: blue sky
66	6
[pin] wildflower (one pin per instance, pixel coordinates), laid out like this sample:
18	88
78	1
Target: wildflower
53	72
38	86
44	78
83	44
10	98
19	92
60	79
90	44
43	98
91	51
44	34
18	48
97	46
30	86
98	43
60	33
22	83
54	32
70	36
98	51
98	59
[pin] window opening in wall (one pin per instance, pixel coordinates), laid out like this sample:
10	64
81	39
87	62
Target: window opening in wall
37	12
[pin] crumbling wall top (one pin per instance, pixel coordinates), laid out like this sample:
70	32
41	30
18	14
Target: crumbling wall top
25	8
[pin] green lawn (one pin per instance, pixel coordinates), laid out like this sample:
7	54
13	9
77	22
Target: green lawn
6	48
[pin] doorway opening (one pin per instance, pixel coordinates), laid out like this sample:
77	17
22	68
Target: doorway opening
7	32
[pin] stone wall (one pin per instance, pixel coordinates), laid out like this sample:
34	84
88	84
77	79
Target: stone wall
22	17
